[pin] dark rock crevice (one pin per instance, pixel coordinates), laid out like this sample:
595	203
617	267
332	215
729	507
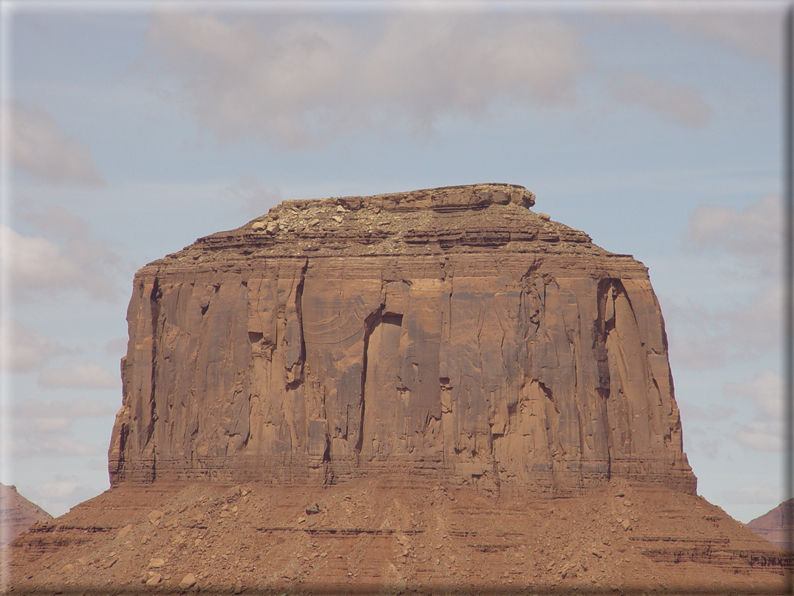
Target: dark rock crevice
154	304
300	363
370	323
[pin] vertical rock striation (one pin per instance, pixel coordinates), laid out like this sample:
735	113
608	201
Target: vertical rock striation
449	333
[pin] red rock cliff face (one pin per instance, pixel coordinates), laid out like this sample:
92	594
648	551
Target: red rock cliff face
450	333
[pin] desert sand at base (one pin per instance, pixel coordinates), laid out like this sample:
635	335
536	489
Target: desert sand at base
377	536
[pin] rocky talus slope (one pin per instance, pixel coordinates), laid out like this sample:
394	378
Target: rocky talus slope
393	536
434	392
452	331
17	514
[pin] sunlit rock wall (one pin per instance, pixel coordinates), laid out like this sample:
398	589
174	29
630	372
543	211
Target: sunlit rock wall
450	334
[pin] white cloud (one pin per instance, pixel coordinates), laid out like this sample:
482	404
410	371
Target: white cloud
711	412
35	408
37	265
40	148
48	414
703	339
25	349
43	427
761	436
58	495
52	445
753	237
765	393
257	199
116	346
709	448
753	234
765	390
65	257
753	495
301	80
682	103
754	28
79	375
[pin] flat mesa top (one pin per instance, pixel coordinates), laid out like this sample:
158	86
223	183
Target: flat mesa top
452	219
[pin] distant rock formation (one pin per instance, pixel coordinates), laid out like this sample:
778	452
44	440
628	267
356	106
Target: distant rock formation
775	525
17	514
450	333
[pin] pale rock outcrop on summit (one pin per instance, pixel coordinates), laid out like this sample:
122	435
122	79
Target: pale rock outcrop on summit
450	333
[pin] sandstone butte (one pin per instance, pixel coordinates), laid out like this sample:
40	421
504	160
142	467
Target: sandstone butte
431	391
17	514
776	525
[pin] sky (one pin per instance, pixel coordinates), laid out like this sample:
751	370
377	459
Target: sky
130	129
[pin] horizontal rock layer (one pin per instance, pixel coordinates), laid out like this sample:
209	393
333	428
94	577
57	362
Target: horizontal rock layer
450	333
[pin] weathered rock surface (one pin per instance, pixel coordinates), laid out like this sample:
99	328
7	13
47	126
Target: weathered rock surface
448	333
776	525
17	514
